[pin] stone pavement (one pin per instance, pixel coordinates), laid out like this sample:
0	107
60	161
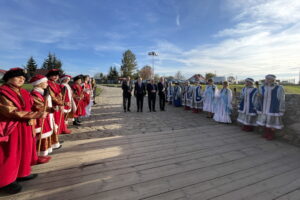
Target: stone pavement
164	155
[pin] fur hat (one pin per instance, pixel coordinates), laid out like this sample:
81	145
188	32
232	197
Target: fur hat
38	79
14	72
64	77
251	80
53	72
77	77
271	76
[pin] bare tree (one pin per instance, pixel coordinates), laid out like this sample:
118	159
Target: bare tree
179	76
231	79
146	72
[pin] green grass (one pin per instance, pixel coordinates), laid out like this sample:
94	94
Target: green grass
289	89
28	87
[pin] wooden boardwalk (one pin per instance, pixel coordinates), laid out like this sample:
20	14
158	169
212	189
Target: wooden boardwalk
186	156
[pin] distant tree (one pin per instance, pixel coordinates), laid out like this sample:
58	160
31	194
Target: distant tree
231	79
51	62
128	64
146	72
31	66
113	74
169	78
98	75
179	76
136	75
209	75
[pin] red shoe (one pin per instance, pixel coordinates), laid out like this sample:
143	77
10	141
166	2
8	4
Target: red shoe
266	133
67	131
43	159
244	128
271	135
249	128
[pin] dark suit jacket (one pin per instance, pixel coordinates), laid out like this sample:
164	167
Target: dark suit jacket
150	88
126	89
161	88
139	90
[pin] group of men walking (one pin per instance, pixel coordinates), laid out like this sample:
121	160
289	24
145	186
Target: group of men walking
140	89
31	122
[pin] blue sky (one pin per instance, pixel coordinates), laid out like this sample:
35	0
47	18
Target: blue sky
232	37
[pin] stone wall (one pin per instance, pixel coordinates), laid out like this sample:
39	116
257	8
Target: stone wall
291	119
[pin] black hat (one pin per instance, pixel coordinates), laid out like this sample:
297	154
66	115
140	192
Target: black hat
53	72
14	72
77	77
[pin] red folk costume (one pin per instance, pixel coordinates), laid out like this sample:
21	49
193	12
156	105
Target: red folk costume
78	97
49	126
57	100
87	93
70	105
17	144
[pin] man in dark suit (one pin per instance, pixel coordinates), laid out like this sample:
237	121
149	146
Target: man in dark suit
162	93
139	93
152	90
127	89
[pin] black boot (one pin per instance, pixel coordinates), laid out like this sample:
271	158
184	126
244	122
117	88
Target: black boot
27	178
75	123
12	188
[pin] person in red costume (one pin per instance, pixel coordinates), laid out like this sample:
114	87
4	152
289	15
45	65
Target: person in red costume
17	141
87	90
70	105
78	96
58	101
42	103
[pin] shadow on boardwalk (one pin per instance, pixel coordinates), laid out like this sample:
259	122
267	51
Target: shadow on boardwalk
164	155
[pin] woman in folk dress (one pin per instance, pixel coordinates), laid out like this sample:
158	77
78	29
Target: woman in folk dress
223	105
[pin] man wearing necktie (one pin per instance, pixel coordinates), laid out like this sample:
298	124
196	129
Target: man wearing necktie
162	93
152	90
127	89
139	93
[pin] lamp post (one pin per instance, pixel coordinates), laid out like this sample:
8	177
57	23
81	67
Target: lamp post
153	54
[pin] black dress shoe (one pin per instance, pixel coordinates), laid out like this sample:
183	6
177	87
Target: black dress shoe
154	110
124	110
129	110
12	188
137	111
27	178
75	123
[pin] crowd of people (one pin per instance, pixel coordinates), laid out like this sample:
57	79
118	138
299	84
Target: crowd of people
31	122
259	105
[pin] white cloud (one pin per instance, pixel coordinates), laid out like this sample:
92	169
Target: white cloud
265	39
178	20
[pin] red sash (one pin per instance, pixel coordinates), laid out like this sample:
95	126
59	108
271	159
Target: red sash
7	126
